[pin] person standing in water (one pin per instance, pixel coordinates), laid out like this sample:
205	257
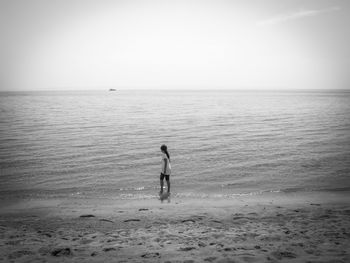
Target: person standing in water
165	169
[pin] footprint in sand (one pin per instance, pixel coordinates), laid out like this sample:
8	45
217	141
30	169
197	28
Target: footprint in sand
188	220
151	255
62	252
132	220
87	216
186	248
107	249
283	254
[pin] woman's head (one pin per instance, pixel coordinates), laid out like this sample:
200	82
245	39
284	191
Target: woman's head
164	149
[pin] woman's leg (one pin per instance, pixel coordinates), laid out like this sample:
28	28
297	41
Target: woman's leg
161	186
161	177
168	184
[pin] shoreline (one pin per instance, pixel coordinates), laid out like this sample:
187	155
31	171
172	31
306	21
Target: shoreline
71	206
313	227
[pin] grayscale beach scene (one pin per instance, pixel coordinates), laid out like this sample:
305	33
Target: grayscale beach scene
109	103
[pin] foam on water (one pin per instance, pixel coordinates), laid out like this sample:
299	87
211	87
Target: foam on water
221	143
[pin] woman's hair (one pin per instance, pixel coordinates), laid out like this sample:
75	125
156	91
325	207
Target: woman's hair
164	148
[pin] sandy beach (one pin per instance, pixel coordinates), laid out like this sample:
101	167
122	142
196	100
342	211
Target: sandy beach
270	228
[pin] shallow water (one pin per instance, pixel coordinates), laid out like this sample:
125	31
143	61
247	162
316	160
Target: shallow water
222	143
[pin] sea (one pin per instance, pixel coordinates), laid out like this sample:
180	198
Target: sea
222	144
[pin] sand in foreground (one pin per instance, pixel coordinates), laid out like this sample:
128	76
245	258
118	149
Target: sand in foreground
275	228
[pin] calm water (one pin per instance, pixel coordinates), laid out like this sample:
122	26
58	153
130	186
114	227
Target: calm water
221	144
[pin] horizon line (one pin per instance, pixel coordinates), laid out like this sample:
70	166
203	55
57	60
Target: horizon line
185	90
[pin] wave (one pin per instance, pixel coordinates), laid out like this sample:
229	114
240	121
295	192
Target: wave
144	193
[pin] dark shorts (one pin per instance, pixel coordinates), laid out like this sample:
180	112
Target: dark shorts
164	175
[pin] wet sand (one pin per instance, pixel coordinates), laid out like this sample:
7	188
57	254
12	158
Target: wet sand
271	228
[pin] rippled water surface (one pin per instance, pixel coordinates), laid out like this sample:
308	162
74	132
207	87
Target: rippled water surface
221	143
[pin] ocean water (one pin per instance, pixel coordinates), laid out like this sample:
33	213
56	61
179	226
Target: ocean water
221	143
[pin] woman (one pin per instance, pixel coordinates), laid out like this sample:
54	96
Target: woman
165	168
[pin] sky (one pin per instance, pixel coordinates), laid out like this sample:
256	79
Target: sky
174	44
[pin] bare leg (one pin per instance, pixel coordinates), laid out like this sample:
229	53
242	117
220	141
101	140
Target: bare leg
161	186
168	184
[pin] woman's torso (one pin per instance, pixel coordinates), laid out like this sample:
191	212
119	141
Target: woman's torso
166	164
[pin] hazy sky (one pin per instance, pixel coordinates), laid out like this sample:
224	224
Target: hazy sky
84	44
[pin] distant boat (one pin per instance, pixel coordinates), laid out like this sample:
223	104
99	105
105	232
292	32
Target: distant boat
112	89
